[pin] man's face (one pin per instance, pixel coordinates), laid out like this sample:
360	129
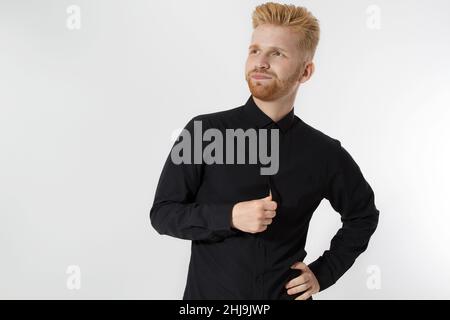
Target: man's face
274	53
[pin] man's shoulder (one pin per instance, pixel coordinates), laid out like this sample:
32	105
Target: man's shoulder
322	147
318	138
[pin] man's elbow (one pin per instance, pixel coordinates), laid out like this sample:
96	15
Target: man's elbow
369	223
375	218
155	220
365	222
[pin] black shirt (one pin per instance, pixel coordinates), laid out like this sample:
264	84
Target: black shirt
194	202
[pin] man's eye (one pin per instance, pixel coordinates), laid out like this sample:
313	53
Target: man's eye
278	53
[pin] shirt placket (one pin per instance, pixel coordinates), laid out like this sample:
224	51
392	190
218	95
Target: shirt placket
261	249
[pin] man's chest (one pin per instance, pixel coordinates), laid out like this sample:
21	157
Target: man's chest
300	177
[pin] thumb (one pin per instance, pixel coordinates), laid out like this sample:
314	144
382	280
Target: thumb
269	197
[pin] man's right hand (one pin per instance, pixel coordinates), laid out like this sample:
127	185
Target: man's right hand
255	215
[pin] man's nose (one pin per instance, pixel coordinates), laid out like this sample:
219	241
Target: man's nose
262	62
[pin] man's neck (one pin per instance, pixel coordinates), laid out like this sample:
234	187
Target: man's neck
276	109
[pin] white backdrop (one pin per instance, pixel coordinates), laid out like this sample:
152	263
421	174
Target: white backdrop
87	114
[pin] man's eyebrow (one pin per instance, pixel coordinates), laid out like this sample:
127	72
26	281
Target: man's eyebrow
253	46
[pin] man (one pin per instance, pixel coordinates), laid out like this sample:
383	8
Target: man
248	229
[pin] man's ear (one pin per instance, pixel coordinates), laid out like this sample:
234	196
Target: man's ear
308	71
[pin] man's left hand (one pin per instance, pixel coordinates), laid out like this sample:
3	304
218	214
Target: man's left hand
306	282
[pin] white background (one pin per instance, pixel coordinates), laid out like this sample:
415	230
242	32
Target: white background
86	118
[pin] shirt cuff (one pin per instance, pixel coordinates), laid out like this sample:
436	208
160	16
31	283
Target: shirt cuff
322	273
221	215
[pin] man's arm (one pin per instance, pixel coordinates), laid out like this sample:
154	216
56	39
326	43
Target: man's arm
351	196
175	212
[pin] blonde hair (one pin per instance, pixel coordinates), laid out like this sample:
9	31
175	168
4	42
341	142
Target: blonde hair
299	19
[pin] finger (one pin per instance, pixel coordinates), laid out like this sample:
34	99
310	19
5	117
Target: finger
267	222
269	214
270	205
297	281
300	266
299	289
305	295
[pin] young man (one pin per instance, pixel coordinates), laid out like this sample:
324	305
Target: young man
248	226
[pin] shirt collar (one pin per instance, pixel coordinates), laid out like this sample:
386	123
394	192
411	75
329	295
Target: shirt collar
261	120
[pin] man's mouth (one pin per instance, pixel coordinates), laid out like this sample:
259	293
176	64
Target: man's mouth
259	76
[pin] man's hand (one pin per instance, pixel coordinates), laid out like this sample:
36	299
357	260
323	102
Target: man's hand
255	215
306	282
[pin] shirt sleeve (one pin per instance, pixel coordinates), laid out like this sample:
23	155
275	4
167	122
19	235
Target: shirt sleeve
175	212
352	197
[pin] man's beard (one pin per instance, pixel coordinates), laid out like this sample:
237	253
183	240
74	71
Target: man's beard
269	90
